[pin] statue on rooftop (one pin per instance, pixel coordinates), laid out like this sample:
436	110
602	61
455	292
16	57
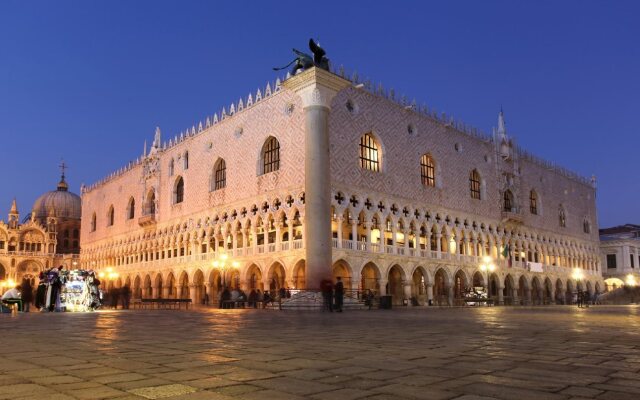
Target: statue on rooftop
304	61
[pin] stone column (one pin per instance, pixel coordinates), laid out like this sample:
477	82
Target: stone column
192	294
339	221
383	287
317	87
407	291
354	232
449	290
429	292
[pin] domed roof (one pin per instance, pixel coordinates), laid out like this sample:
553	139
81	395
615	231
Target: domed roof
58	203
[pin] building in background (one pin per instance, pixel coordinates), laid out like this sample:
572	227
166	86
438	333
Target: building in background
620	249
417	205
47	237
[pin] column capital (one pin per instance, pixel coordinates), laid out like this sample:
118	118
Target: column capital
316	87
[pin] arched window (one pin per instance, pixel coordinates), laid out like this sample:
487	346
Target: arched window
270	155
507	201
185	160
93	222
76	234
110	216
369	153
586	226
131	208
171	167
562	218
474	184
150	203
178	191
428	170
220	175
533	202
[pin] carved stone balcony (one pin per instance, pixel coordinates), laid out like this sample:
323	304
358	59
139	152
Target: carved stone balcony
513	216
147	220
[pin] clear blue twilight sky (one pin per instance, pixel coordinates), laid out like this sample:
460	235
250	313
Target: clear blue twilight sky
90	80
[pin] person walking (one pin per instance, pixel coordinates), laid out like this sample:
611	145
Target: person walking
26	291
338	294
326	287
125	292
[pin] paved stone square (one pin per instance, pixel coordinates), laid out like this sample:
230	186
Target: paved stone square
551	352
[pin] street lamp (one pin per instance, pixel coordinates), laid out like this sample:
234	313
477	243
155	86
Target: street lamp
631	280
222	264
487	266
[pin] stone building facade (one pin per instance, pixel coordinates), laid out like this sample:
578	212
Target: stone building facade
48	237
620	252
318	176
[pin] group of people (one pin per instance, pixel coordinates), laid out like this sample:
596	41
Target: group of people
117	296
238	297
332	295
58	290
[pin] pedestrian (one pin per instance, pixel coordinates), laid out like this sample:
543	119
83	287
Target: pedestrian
326	287
266	299
338	294
205	300
126	296
26	291
115	298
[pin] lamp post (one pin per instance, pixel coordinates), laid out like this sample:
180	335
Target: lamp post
488	266
108	273
222	263
630	280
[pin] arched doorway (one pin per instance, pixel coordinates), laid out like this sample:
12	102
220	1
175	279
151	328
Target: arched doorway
547	294
183	291
159	289
277	275
508	291
459	287
299	275
148	288
342	269
419	286
536	292
494	287
395	285
479	282
254	278
136	291
370	278
169	288
523	290
569	294
440	283
560	298
200	289
215	283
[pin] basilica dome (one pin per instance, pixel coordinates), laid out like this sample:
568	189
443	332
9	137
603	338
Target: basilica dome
59	203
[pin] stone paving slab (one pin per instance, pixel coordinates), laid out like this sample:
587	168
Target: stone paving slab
481	353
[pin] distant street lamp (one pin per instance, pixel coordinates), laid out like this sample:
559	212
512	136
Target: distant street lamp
488	266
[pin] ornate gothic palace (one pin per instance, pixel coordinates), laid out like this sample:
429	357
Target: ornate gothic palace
320	175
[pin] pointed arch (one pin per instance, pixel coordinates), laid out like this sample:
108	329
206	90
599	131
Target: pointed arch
131	208
178	190
475	185
533	202
370	153
270	156
110	216
428	170
507	201
219	174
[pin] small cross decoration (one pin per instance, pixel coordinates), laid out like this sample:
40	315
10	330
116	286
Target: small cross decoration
339	198
353	201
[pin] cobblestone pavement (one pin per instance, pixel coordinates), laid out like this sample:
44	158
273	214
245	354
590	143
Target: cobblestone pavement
481	353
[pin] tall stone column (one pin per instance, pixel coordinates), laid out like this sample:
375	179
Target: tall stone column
317	87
